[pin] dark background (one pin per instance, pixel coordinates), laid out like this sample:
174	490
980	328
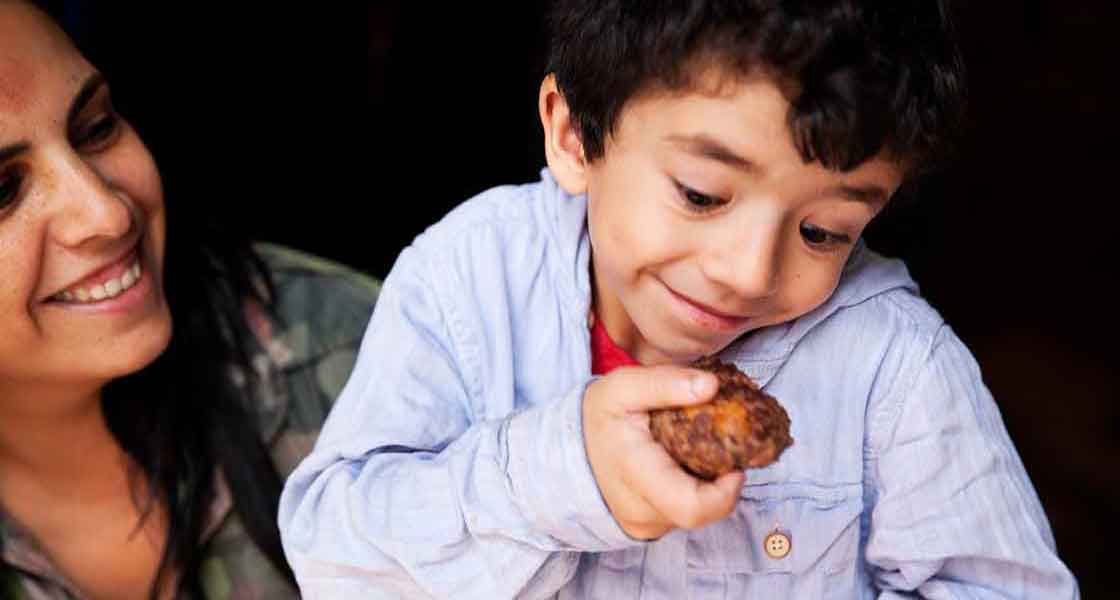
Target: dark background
345	131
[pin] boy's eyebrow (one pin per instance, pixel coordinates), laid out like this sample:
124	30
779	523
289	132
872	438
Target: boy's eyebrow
708	147
871	194
89	88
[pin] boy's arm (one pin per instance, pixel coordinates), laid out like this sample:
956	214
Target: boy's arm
409	491
956	515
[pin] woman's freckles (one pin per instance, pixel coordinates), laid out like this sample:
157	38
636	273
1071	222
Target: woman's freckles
16	86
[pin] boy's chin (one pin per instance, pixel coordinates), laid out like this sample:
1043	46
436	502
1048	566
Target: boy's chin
687	351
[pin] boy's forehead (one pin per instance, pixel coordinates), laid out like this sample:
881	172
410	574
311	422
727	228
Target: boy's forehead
745	114
714	80
743	110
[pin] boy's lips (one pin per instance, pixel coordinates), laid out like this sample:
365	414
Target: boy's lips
705	315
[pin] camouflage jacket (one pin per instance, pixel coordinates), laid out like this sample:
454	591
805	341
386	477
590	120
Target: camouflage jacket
323	309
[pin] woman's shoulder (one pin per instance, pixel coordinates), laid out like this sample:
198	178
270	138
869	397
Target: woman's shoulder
319	304
319	313
291	268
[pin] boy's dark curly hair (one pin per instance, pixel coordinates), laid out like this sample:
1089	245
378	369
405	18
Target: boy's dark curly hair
861	76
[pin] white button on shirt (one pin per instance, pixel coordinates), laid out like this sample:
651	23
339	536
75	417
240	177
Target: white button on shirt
777	545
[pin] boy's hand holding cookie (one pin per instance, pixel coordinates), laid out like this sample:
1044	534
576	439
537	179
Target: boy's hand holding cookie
646	490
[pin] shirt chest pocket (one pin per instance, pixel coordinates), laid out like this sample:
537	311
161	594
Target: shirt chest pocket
782	541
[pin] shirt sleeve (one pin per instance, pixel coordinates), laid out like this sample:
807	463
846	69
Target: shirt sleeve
956	515
415	489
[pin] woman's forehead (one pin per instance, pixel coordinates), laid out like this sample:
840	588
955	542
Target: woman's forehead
36	58
18	82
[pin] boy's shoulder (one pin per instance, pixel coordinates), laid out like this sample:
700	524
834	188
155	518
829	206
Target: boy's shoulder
539	209
496	205
875	310
875	332
883	283
879	327
878	292
876	296
896	321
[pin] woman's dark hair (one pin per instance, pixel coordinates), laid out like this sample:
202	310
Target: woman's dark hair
861	76
183	417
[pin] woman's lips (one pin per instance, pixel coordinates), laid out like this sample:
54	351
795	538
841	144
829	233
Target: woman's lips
100	276
121	286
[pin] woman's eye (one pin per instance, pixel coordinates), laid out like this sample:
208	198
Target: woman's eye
99	132
698	202
822	237
9	189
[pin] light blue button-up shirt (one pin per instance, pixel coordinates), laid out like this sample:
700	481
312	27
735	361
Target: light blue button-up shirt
453	463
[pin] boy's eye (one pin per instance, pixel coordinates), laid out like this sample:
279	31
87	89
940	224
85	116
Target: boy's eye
698	202
9	189
822	237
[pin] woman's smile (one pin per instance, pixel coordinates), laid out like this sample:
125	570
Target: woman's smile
121	286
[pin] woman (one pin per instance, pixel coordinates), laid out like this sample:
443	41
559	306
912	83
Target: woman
156	385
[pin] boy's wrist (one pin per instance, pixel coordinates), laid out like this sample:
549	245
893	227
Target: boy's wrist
552	480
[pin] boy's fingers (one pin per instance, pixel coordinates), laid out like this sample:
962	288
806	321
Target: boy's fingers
681	498
646	388
728	487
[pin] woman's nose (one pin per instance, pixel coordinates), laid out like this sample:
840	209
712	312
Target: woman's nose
86	205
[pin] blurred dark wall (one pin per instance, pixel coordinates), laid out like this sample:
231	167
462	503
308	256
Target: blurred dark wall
1025	262
314	129
256	115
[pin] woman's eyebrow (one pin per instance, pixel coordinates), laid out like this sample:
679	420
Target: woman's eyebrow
9	152
93	83
89	88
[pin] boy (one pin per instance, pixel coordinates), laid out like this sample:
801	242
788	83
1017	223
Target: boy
711	166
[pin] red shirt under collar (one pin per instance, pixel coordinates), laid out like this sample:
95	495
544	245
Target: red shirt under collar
606	356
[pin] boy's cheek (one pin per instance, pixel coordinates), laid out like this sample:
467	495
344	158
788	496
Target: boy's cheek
808	293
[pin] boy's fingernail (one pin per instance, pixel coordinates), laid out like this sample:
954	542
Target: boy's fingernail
701	385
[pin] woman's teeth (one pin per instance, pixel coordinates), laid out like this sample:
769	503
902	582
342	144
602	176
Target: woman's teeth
108	289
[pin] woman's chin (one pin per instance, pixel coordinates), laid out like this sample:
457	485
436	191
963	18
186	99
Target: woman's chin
150	344
138	349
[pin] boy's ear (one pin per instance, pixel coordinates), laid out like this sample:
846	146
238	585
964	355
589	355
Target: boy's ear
562	147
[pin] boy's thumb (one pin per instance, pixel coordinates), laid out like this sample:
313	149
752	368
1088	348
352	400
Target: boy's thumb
647	388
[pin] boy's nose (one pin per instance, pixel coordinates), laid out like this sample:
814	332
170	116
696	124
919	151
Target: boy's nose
85	205
749	266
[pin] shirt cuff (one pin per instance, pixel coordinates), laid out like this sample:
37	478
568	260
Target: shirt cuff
552	481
